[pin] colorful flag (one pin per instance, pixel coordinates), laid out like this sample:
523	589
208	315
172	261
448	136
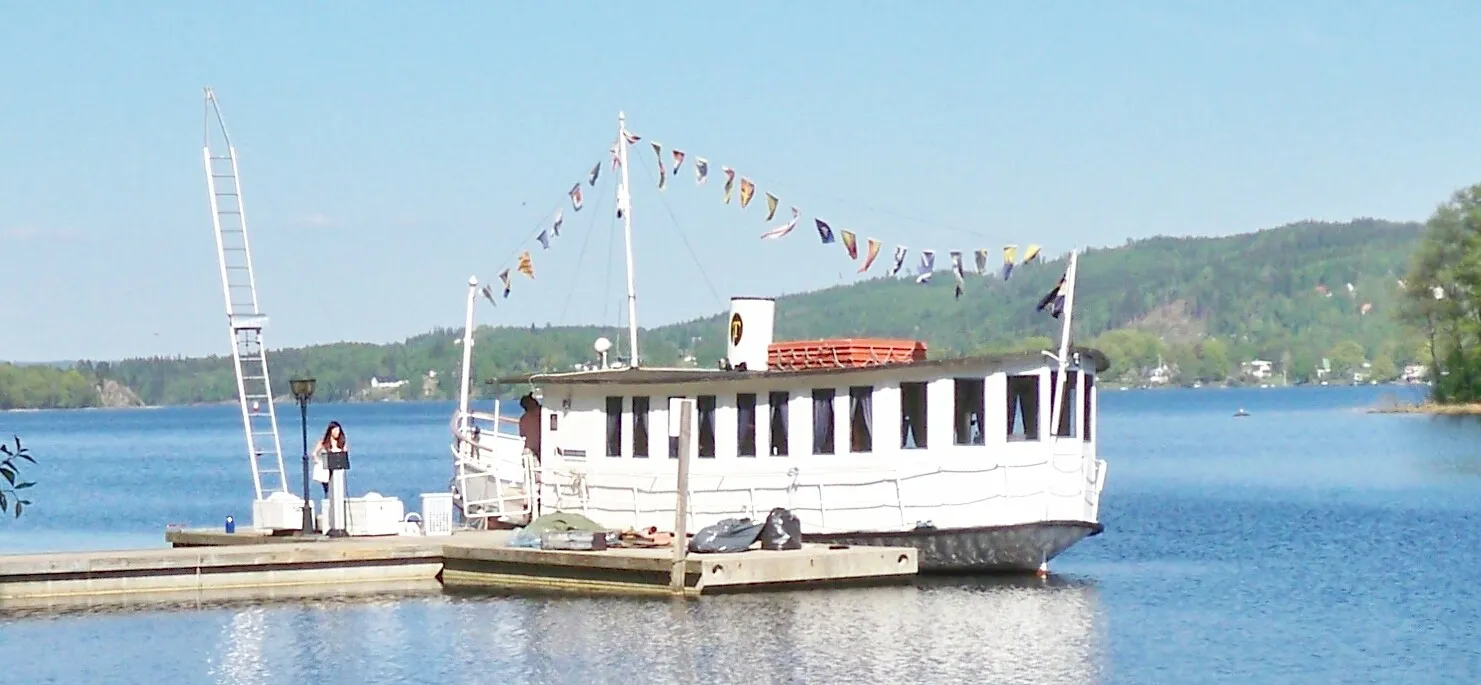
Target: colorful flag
927	266
544	239
701	171
899	260
850	243
1008	252
825	232
982	262
729	181
632	139
555	227
525	266
747	191
1030	254
956	270
771	203
873	251
576	196
784	229
504	276
595	171
663	173
1054	299
678	159
616	157
488	294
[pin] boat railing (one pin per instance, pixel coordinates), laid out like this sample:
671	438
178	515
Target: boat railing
572	488
491	474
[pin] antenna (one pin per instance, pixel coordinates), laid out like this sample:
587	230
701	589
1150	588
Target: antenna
624	205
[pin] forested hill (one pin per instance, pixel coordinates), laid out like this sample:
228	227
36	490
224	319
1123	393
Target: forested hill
1205	304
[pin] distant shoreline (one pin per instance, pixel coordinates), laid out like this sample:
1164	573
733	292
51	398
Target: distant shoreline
1432	408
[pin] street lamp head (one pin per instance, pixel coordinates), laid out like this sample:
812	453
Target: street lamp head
303	388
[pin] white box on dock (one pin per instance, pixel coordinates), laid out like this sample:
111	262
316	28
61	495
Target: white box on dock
278	511
374	515
437	513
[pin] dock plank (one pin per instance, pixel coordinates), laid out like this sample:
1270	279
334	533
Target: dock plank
215	561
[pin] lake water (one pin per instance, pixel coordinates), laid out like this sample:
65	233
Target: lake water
1309	542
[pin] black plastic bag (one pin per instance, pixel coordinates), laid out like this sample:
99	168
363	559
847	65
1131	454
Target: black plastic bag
728	535
782	530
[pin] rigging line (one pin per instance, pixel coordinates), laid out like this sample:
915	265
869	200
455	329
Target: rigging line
888	212
683	239
580	257
900	215
547	217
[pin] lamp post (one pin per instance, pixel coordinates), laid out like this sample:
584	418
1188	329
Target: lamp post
303	391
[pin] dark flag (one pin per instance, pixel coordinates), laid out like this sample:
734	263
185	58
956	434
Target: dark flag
1054	299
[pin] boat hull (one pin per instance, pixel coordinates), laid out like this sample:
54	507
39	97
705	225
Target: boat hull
986	549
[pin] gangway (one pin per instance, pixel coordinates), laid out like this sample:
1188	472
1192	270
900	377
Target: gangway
245	320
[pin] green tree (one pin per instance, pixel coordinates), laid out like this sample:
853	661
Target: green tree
10	469
1346	357
1442	296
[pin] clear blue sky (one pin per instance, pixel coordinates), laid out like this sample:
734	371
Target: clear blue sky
390	150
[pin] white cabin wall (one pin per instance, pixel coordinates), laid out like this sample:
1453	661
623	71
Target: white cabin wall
799	424
995	414
940	403
763	424
840	420
887	418
727	427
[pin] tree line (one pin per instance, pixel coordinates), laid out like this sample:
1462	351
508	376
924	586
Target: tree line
1295	295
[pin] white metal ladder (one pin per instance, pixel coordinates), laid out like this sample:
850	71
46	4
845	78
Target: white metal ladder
245	321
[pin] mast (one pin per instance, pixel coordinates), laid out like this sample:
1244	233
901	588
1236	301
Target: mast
1064	342
624	205
465	420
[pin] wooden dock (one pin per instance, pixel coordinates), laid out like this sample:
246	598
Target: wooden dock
246	563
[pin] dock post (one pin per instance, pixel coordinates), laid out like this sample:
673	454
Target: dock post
681	428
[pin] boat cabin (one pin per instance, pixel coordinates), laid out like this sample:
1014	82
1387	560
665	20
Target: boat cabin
845	400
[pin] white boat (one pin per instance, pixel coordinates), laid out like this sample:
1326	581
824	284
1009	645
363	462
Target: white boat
984	464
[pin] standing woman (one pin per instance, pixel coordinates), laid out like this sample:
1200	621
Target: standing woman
333	441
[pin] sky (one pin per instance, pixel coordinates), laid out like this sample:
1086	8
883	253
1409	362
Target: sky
389	151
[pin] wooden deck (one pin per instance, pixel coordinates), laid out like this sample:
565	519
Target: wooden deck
245	564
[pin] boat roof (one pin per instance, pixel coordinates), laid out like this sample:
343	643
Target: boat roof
670	376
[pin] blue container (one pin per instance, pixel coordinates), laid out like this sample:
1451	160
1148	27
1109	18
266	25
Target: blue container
231	525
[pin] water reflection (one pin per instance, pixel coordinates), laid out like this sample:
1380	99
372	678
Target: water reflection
241	649
950	630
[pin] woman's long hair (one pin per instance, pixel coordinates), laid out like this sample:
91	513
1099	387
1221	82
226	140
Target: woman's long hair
329	443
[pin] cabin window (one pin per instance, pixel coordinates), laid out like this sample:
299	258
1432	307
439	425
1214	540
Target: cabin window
778	410
1085	403
1023	407
745	424
912	416
970	411
822	421
640	427
1066	427
673	439
705	405
614	426
861	418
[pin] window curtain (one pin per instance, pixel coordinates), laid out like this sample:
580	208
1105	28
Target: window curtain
822	423
778	428
861	419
